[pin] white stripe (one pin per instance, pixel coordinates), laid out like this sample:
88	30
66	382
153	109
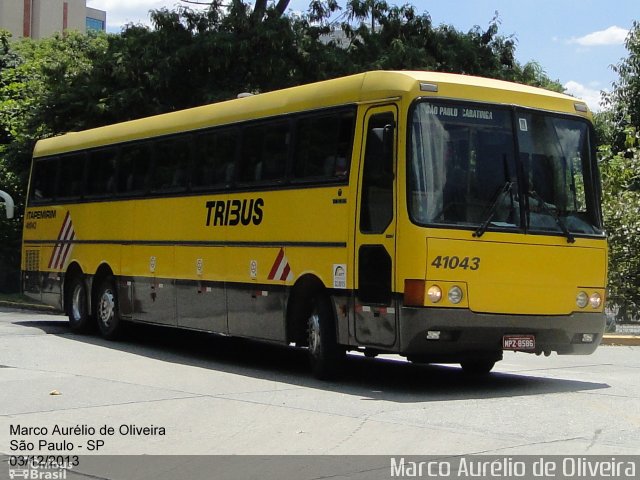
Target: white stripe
281	267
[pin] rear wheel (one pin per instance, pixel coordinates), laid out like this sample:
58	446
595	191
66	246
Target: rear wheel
106	310
325	355
77	306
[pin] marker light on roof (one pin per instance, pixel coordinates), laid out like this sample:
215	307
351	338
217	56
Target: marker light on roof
428	87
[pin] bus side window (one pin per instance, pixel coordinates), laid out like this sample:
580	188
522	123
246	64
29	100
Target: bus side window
43	184
71	176
134	168
265	149
214	159
323	147
101	172
171	160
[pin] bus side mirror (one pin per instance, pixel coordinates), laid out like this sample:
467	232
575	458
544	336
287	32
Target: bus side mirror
9	205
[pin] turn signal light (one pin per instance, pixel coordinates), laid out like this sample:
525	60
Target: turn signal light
414	293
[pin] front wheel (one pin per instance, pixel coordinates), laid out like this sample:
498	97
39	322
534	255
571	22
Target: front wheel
106	310
77	307
325	355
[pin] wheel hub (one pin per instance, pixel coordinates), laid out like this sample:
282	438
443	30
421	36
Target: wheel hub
106	307
314	333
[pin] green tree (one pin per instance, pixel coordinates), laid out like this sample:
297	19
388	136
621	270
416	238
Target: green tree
36	100
398	37
622	103
188	58
259	8
11	92
618	126
621	209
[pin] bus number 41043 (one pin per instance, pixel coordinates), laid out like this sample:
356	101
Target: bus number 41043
453	262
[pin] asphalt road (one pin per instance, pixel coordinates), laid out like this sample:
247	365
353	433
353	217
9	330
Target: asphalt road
200	394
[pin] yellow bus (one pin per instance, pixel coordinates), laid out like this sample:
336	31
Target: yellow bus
441	217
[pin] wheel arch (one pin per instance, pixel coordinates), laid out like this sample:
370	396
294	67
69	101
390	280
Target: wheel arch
103	271
299	306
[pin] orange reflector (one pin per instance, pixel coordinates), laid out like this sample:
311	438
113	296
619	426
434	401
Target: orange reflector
414	293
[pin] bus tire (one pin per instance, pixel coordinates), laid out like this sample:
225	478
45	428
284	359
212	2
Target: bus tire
106	310
325	355
477	367
77	305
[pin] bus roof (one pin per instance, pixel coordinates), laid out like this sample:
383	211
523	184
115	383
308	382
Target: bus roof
361	88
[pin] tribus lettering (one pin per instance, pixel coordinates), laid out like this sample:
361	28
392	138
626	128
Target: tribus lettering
234	212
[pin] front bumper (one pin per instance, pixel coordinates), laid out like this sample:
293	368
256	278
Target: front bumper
468	335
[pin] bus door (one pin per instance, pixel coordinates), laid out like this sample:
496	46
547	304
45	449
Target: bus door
375	315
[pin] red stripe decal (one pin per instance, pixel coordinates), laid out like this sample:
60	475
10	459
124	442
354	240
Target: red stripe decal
276	265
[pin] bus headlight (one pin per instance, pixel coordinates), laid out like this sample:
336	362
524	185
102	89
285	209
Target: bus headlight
595	300
582	299
455	295
434	293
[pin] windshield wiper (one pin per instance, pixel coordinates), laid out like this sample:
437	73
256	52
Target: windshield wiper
506	188
554	214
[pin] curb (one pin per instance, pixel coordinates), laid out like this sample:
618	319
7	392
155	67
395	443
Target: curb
27	306
621	340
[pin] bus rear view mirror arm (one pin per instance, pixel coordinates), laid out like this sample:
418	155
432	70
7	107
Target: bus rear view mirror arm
9	205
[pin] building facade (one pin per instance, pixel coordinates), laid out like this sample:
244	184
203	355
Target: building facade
43	18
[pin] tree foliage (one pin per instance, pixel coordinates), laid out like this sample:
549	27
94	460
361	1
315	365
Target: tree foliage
621	208
37	99
619	127
623	101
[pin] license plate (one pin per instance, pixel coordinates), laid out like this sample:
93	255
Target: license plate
519	342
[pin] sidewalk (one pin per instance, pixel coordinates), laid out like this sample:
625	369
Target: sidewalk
26	306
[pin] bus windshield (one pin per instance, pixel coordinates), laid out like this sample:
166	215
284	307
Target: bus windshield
468	168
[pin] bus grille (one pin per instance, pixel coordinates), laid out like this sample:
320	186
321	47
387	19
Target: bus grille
32	260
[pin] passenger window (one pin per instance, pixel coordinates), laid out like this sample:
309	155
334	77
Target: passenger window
71	176
45	173
171	164
133	168
323	147
101	174
265	149
215	156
